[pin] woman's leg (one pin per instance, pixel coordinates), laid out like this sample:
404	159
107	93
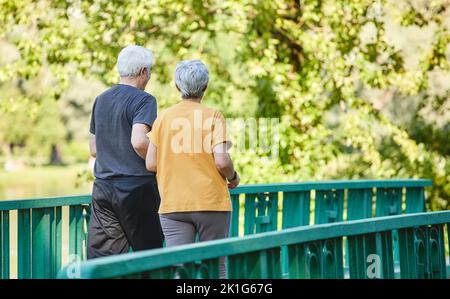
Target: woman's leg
177	229
212	226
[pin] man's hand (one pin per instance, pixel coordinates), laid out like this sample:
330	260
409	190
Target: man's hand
234	183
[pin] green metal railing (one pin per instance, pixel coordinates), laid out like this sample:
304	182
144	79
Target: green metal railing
256	209
314	252
39	234
261	202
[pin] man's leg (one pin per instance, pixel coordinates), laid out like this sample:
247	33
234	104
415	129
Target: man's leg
213	226
105	234
137	207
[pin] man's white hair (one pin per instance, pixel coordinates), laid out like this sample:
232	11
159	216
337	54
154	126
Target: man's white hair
132	59
191	77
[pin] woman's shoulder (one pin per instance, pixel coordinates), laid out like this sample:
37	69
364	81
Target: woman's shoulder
211	110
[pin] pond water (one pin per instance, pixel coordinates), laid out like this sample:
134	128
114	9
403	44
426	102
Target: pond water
44	182
38	183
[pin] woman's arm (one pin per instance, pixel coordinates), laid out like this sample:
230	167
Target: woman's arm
224	164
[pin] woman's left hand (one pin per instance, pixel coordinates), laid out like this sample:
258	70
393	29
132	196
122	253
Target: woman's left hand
234	183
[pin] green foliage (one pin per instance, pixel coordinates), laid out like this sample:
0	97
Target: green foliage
75	152
31	127
329	69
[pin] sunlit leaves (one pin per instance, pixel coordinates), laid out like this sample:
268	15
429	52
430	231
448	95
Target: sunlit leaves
308	62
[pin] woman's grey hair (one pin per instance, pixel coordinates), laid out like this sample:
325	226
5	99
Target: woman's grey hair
132	59
191	77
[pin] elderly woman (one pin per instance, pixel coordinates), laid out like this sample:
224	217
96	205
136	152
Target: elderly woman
188	151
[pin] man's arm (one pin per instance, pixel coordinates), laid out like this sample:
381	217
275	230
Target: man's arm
150	161
92	145
224	164
139	139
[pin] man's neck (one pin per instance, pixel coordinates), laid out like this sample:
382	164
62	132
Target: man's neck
129	81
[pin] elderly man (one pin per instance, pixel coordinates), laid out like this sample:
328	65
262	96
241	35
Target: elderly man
188	149
125	197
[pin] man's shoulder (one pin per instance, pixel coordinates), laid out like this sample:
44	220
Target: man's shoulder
142	94
130	91
136	94
104	94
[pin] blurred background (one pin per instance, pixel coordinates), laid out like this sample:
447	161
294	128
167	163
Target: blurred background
361	88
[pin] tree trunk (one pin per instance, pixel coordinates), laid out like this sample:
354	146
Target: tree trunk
55	156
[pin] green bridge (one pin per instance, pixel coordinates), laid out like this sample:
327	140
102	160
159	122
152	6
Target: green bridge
332	229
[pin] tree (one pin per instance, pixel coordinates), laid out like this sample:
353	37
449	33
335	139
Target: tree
328	68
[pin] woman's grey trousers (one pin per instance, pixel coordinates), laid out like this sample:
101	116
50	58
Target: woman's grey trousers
182	228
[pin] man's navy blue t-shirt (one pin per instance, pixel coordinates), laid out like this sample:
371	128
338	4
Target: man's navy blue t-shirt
114	113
